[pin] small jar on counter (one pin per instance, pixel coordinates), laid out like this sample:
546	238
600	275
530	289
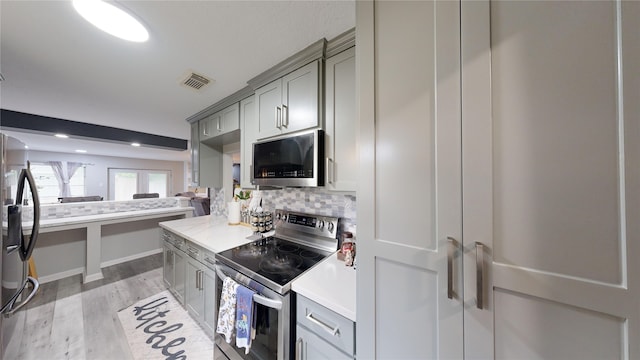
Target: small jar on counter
347	250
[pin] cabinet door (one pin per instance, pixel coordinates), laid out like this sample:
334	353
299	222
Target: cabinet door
194	291
168	268
249	135
310	346
409	193
229	119
269	109
551	182
300	99
340	122
179	275
195	153
209	309
209	126
210	166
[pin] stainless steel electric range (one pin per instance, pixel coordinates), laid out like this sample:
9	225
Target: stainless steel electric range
268	266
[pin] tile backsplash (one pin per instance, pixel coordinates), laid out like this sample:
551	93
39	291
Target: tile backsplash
306	200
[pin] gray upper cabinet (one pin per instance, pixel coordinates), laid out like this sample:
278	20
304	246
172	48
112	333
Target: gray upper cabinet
220	123
195	154
290	103
340	122
249	134
206	126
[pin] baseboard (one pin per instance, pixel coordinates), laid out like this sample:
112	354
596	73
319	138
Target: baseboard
129	258
60	275
93	277
76	271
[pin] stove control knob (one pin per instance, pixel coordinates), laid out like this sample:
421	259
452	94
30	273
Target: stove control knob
330	227
320	224
284	217
277	216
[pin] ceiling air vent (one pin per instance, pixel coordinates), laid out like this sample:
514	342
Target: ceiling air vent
196	81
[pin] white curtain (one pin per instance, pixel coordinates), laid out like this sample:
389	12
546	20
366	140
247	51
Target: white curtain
63	175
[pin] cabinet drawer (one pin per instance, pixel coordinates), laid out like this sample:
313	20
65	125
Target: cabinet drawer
193	251
173	239
208	258
309	346
333	328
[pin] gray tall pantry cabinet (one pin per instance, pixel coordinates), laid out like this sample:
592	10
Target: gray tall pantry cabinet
515	232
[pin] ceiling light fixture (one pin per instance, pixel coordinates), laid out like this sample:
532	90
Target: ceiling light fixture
81	151
135	144
61	136
111	19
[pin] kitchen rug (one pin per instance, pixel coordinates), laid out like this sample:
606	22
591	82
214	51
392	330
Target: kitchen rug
158	327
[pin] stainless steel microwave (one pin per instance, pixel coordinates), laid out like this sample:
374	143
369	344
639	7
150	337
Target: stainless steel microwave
289	160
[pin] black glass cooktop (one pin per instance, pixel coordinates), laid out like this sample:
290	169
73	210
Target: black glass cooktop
275	259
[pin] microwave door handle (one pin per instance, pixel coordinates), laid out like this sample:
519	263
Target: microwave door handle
274	304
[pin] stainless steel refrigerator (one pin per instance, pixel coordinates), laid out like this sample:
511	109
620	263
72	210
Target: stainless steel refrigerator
19	195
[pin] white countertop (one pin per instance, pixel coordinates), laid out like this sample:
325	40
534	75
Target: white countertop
330	284
113	216
212	233
80	221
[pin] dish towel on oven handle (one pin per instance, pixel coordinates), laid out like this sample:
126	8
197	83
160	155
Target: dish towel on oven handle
227	312
244	317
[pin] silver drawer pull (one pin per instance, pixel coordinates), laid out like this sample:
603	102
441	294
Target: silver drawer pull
209	261
333	331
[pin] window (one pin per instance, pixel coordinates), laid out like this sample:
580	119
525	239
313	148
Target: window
48	186
123	183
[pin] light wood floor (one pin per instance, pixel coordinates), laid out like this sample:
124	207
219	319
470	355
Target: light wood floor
71	320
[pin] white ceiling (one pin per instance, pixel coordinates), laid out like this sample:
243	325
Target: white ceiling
56	64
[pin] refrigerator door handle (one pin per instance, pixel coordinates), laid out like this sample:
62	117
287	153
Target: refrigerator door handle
14	228
11	307
25	174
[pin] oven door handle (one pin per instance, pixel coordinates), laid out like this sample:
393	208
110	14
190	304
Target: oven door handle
262	300
274	304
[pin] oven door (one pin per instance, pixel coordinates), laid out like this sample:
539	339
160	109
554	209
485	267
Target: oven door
272	340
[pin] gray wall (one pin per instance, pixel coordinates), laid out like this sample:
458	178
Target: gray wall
96	175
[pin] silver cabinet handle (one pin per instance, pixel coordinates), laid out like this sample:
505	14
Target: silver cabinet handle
201	280
278	119
205	131
218	125
207	259
327	328
299	349
285	115
451	248
197	279
328	171
479	275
